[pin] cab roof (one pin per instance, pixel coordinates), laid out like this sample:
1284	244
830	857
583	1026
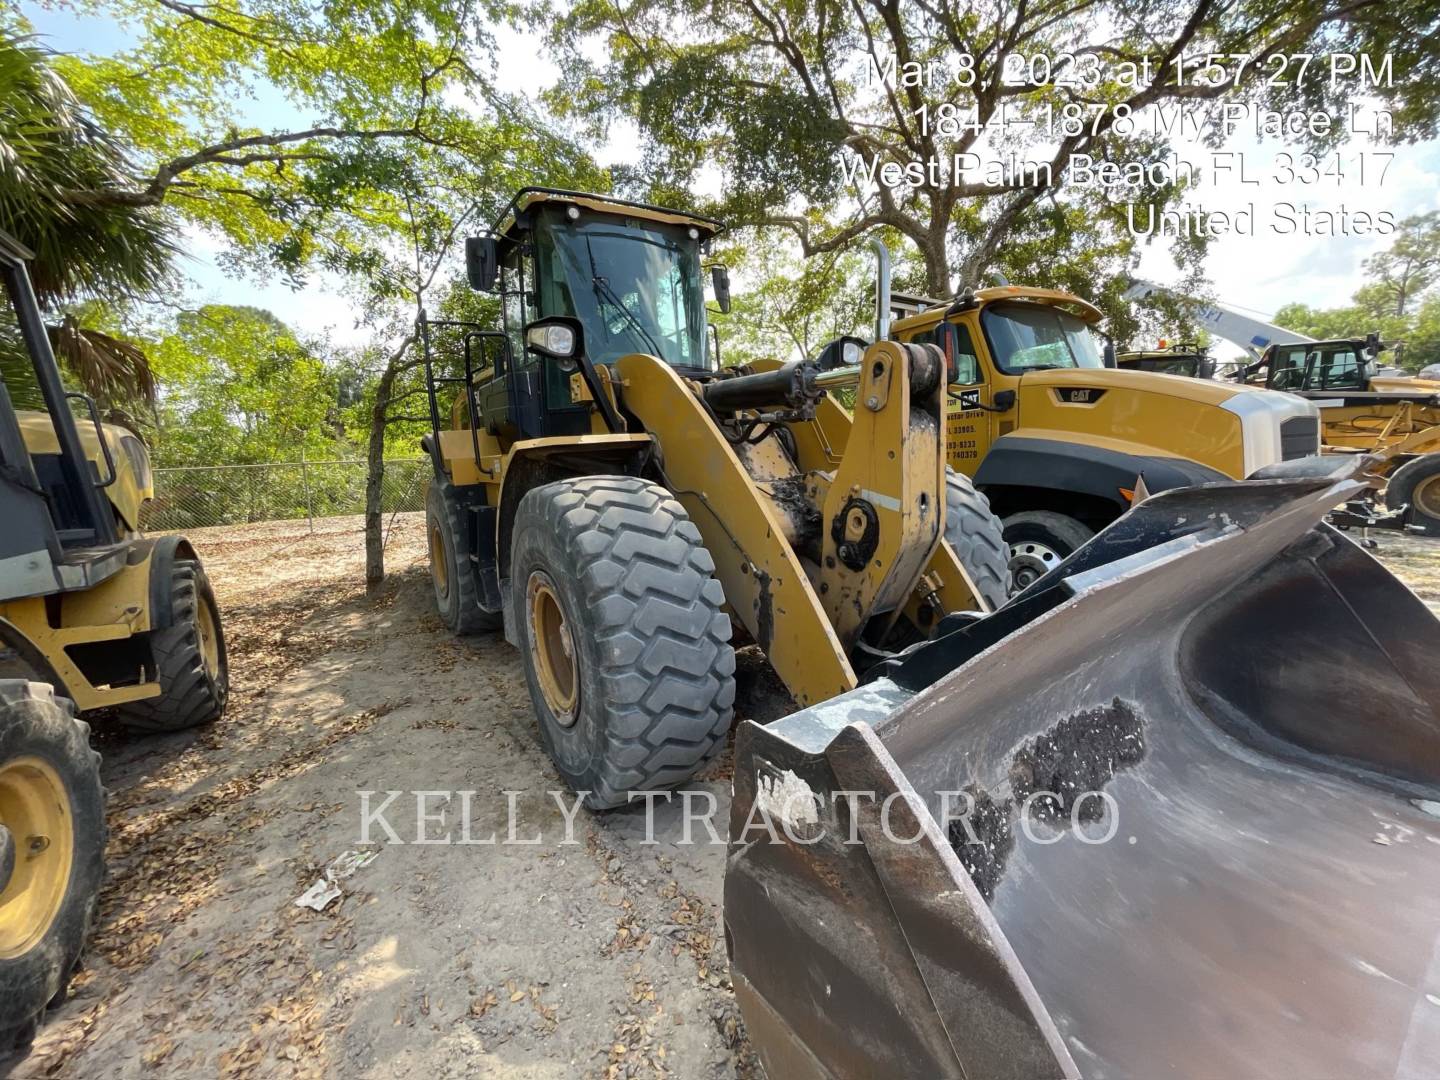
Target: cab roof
1056	298
526	198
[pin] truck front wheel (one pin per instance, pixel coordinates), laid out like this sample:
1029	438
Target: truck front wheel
1039	541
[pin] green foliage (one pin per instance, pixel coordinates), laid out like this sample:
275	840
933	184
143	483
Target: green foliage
1399	301
775	95
52	151
240	388
787	307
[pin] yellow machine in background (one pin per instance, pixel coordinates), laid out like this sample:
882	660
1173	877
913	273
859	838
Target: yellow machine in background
1058	440
92	616
1392	419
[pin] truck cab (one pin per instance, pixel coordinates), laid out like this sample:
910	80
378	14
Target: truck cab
1059	442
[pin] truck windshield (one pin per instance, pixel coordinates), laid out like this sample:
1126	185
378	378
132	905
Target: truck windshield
635	287
1036	337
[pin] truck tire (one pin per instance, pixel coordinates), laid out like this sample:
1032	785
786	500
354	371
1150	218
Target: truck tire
190	661
451	573
626	647
1416	484
977	538
1039	541
52	852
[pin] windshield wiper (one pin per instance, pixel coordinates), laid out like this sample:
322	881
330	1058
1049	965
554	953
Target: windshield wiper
604	291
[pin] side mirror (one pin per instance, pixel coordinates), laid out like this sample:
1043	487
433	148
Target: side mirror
482	262
949	345
1003	401
1109	355
720	282
556	336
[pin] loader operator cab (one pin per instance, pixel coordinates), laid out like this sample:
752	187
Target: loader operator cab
1320	365
1182	358
582	284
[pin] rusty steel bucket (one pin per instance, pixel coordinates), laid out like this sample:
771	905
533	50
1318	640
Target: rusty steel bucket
1174	811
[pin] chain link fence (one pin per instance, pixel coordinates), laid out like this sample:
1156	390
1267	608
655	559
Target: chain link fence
195	497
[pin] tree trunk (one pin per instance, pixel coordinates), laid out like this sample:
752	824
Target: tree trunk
375	476
937	270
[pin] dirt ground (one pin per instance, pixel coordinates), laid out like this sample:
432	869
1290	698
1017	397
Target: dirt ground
601	957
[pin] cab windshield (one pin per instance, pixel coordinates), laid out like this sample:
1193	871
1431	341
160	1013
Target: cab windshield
634	286
1325	365
1036	337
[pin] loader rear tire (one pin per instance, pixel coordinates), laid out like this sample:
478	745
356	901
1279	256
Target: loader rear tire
977	538
1039	541
1416	484
52	852
626	647
451	575
191	665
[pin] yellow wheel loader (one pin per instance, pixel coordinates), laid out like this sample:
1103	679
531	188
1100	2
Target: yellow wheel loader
1058	438
613	499
92	616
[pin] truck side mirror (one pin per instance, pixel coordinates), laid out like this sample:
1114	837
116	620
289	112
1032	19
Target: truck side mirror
1109	355
1003	401
720	282
482	262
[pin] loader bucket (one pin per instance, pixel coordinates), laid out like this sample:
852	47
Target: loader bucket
1174	811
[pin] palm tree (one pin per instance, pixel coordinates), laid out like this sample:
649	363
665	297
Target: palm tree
52	151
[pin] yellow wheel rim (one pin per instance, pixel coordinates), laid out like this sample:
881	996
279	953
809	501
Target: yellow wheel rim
209	638
1426	496
552	648
35	809
439	571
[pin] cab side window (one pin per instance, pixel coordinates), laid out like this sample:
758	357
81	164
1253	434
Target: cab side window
513	303
955	342
965	363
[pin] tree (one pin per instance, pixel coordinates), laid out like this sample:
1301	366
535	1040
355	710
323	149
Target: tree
790	307
51	146
395	137
238	387
794	105
1412	263
1399	302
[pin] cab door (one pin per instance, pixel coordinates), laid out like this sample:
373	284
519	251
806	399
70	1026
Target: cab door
969	428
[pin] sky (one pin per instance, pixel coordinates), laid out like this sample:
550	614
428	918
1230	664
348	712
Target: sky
1259	272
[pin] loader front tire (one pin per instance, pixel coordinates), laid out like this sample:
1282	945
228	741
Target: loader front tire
626	647
1416	484
977	538
52	852
190	661
1039	541
451	573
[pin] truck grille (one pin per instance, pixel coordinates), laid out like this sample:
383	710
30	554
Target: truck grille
1299	437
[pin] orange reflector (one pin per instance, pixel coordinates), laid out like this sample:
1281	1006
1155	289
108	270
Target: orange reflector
1128	494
